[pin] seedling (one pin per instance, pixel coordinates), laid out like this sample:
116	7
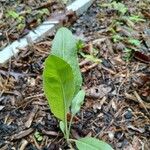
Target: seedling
38	136
119	7
128	54
136	18
93	54
80	44
134	42
62	83
19	19
117	38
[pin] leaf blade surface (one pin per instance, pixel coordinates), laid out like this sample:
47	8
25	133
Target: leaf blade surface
58	84
64	46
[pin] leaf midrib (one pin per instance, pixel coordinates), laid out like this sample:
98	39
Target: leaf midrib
63	93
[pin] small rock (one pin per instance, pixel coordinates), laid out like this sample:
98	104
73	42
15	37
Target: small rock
111	135
128	115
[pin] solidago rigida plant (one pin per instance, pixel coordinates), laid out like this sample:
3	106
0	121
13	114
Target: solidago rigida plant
62	86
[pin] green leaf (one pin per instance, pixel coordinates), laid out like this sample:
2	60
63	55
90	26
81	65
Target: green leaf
117	38
134	42
12	14
38	136
136	18
77	102
120	7
62	127
80	44
128	54
89	143
58	84
91	57
64	46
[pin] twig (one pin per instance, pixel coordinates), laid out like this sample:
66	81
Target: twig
34	96
109	70
31	116
85	69
24	143
131	97
36	144
52	133
84	62
22	134
140	101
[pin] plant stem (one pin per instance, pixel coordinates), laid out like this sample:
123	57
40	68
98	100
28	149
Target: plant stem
70	123
66	127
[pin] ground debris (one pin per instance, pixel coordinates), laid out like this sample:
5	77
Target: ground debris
22	134
116	107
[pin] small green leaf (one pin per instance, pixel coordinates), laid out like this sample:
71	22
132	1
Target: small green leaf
58	84
62	126
80	44
20	26
128	54
136	18
77	102
134	42
116	38
89	143
45	11
64	46
91	58
120	7
12	14
38	136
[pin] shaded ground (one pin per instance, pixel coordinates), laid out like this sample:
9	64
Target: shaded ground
117	103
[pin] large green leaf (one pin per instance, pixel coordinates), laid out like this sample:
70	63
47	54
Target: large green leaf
58	84
64	46
89	143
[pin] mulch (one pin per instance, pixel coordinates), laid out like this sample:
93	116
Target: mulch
18	18
117	102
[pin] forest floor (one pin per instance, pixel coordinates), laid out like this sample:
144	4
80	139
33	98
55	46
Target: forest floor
18	18
116	77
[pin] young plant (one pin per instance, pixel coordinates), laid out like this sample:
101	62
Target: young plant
18	18
128	53
38	136
136	18
119	7
93	54
62	82
134	42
